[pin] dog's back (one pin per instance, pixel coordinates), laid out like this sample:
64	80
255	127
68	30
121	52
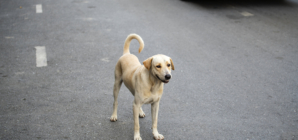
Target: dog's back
128	63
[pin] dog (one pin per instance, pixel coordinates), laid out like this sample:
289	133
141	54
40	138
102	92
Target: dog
145	82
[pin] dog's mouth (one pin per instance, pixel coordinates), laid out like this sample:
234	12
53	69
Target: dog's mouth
164	81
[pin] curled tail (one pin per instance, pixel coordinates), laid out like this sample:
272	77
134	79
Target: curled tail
127	43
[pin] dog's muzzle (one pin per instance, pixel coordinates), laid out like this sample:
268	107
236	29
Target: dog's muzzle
167	77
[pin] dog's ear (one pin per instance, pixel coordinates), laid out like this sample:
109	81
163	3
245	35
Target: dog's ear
172	64
147	62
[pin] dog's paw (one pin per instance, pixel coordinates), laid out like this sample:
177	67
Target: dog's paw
113	118
137	138
159	137
142	115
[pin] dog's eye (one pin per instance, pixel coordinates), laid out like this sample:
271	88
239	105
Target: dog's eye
158	66
169	65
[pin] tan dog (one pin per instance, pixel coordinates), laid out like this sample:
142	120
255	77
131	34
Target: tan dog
145	82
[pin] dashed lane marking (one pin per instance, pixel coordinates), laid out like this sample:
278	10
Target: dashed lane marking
38	8
9	37
247	14
87	19
105	59
41	56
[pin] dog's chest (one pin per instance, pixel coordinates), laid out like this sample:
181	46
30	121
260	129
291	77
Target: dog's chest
153	95
151	98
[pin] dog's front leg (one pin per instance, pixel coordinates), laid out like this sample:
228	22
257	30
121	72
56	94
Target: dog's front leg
136	110
154	113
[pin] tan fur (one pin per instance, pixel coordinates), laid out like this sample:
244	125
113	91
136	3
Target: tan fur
145	82
127	43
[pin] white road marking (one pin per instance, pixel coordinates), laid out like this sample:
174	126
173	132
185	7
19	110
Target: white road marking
41	56
9	37
105	59
81	1
246	14
88	19
38	8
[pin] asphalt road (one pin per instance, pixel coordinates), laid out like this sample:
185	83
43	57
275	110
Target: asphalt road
235	78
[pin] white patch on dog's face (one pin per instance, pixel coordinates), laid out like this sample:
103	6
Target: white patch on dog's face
161	66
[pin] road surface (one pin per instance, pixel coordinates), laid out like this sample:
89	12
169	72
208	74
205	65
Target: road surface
235	77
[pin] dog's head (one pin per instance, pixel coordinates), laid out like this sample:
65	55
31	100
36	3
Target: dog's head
160	66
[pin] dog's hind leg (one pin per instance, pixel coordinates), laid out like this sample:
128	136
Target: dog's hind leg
117	85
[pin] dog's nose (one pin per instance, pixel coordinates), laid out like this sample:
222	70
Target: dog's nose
168	76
